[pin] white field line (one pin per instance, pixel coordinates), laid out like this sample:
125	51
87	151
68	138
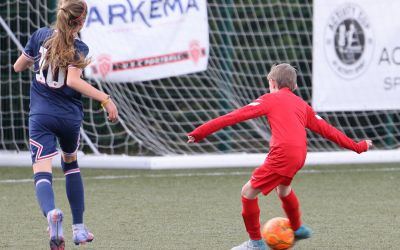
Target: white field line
236	173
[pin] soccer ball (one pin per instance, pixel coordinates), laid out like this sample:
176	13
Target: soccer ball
277	233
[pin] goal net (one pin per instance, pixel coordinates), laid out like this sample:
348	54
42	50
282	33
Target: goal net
246	39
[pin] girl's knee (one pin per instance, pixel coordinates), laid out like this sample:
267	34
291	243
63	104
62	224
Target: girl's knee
42	166
68	158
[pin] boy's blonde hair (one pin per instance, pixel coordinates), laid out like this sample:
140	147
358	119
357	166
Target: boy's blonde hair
284	74
60	46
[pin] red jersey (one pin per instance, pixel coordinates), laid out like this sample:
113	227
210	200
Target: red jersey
288	116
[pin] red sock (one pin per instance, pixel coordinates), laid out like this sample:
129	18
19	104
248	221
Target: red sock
251	217
291	205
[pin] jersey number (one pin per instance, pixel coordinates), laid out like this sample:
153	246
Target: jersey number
49	79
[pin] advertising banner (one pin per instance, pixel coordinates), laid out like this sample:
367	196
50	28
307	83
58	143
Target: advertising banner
138	40
356	55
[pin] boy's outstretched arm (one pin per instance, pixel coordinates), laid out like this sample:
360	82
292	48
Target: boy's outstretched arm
320	126
253	110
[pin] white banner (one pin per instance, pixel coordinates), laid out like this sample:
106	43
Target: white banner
356	55
138	40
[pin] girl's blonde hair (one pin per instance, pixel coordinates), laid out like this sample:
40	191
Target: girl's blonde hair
60	47
284	74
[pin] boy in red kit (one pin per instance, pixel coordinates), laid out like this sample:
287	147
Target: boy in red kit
288	116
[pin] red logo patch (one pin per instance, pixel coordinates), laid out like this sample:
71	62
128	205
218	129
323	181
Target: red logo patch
104	65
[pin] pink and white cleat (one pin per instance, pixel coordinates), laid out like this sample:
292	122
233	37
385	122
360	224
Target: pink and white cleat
55	218
81	235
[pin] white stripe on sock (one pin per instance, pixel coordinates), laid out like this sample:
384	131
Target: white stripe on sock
43	180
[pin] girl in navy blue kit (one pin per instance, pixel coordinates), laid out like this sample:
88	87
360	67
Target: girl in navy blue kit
56	113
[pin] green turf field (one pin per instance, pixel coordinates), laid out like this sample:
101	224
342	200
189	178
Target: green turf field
348	207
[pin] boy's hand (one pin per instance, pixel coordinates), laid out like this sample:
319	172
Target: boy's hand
191	139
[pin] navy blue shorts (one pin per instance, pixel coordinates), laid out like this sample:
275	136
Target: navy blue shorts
46	130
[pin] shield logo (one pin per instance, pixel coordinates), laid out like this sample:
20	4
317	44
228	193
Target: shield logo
194	51
104	65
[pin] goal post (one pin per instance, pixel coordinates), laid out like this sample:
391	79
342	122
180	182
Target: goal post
246	39
203	161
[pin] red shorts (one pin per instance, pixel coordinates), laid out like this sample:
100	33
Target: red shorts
266	180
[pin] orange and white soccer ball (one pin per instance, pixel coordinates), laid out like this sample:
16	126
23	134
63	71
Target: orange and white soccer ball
278	234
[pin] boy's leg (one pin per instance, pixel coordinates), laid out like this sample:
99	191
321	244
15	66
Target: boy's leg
251	218
262	180
251	211
290	205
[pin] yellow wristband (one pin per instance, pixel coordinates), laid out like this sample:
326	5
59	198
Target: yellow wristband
107	100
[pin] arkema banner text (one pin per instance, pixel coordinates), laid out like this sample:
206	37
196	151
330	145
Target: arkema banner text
138	40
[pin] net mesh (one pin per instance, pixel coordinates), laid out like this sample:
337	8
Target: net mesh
246	39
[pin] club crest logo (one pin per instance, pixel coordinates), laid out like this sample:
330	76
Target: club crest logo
348	41
194	51
104	65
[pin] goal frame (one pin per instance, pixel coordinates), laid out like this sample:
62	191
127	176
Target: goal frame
173	160
202	161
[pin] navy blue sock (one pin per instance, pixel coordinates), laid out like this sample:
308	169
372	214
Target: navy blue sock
74	189
44	191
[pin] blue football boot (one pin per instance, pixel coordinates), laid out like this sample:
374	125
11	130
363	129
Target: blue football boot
302	233
252	245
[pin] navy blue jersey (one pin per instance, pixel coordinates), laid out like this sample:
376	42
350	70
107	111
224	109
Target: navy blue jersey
49	93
